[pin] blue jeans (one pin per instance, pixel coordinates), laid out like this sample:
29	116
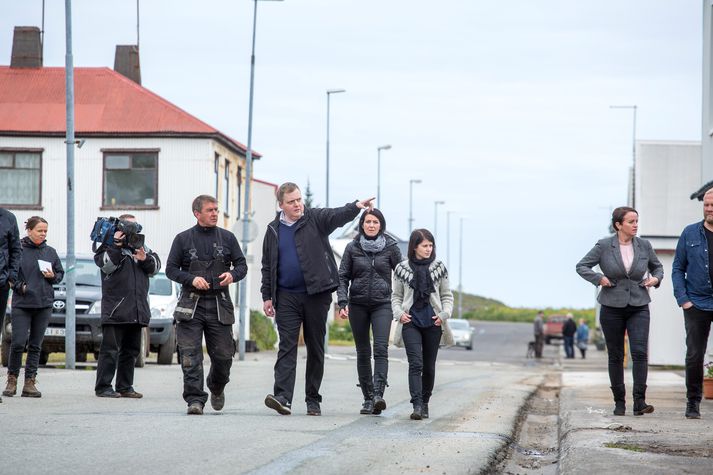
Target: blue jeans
633	321
568	346
28	328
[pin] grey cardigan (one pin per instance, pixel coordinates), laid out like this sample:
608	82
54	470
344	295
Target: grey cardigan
626	289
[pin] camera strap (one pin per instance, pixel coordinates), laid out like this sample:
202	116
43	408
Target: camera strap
217	247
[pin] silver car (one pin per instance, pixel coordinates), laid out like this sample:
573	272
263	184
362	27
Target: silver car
462	332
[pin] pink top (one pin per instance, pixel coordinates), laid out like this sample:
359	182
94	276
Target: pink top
627	255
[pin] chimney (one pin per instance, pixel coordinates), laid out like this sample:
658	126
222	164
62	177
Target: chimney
126	62
26	48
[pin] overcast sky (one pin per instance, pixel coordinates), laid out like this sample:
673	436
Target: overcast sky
500	108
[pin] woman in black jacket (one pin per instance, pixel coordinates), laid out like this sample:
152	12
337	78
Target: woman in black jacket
364	296
32	299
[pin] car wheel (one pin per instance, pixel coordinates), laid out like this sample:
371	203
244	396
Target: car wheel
82	357
96	356
469	347
548	341
141	359
44	357
165	351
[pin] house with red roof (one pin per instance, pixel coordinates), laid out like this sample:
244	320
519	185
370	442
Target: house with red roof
139	153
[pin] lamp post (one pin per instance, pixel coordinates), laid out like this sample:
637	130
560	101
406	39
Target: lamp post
633	153
448	239
410	204
435	217
378	173
248	180
460	271
329	93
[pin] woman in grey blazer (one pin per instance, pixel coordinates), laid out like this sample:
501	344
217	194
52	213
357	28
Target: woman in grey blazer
628	269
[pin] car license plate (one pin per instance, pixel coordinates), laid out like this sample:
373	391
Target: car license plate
54	332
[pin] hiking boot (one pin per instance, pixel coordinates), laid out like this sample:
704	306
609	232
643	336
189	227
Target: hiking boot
279	404
417	413
11	388
29	389
313	408
217	401
367	407
131	394
693	409
195	409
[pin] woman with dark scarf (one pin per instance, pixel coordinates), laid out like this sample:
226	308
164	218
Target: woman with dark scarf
32	298
421	303
364	296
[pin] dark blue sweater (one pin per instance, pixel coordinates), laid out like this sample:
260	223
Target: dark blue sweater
289	272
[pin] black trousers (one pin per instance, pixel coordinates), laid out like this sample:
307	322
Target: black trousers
635	322
120	346
421	351
698	327
28	328
362	318
539	344
310	312
221	348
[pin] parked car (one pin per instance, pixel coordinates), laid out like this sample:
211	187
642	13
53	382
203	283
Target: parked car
163	297
88	333
553	328
462	332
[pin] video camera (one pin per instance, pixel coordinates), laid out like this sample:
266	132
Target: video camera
104	229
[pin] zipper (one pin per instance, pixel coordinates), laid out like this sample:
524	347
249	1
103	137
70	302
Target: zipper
117	306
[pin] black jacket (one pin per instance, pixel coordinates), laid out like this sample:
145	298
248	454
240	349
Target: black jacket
569	328
125	285
179	258
10	248
313	249
31	289
369	274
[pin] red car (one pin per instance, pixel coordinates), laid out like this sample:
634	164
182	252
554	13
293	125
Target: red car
553	327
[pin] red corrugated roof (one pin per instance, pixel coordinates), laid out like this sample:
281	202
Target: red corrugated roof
106	103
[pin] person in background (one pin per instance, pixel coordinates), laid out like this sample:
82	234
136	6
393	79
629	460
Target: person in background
539	331
628	269
364	296
569	328
692	274
421	303
32	299
582	337
12	250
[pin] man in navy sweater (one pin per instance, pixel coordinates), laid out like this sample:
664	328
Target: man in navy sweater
299	274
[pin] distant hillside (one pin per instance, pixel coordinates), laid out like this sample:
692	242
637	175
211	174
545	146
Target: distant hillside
476	307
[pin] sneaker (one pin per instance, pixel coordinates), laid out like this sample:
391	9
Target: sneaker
217	401
279	404
195	409
692	410
313	408
131	394
108	393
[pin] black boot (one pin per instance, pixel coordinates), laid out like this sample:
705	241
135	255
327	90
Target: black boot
379	403
424	410
417	413
693	409
368	391
640	406
619	393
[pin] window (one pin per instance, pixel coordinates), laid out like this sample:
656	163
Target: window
217	162
226	189
130	179
239	181
21	178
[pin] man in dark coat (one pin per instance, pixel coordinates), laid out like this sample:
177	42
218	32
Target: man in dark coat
205	260
10	254
299	274
569	328
125	311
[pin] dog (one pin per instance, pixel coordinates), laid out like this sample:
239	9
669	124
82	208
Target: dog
530	350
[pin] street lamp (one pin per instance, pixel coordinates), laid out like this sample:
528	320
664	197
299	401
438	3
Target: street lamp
329	93
248	180
435	217
460	271
378	173
410	204
448	239
633	154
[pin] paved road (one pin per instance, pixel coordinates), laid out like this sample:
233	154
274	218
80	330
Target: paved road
69	430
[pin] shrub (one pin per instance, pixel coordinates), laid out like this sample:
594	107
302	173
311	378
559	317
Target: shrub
262	330
340	331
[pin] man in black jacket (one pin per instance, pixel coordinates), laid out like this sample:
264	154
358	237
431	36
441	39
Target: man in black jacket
299	274
205	260
10	254
125	311
569	328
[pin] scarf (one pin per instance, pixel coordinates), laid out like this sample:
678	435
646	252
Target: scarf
422	284
372	245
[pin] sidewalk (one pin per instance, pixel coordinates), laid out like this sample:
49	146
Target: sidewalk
593	440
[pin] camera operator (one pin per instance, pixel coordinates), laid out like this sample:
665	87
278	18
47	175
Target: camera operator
200	260
125	307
